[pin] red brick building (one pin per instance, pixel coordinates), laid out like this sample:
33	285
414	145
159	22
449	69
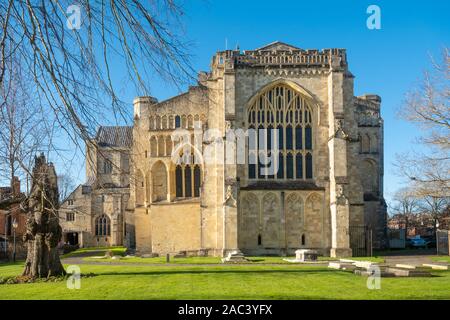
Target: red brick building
7	218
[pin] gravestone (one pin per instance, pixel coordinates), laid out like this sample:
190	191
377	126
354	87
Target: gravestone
306	255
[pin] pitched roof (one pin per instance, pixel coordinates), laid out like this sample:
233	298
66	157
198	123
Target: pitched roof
277	45
115	136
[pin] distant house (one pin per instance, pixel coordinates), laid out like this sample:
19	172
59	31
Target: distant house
7	218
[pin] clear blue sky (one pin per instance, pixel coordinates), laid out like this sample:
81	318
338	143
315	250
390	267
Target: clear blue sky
387	62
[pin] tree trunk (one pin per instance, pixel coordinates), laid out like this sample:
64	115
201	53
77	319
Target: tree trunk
43	230
42	255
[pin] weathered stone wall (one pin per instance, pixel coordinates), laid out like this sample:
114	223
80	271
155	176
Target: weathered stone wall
278	222
232	213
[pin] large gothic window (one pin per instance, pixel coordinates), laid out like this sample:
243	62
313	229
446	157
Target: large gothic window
102	226
289	114
187	181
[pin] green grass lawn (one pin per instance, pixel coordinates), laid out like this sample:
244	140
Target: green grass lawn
225	282
117	251
441	259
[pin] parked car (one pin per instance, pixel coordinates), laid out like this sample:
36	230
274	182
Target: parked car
418	242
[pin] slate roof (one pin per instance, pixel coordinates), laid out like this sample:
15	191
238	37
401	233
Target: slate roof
115	136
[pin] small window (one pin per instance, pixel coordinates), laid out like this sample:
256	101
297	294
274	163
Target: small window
177	122
70	202
107	166
303	240
259	240
70	216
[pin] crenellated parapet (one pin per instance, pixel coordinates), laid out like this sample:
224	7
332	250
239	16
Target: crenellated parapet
278	55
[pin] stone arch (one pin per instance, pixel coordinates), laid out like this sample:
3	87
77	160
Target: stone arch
139	189
313	220
153	146
249	224
151	121
289	108
159	182
168	146
161	146
294	219
294	86
164	122
183	121
190	121
270	211
365	143
374	144
158	123
369	176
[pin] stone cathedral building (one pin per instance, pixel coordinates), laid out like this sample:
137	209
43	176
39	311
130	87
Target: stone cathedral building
330	158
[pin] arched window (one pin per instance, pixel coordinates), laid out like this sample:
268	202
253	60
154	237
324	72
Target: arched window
151	123
298	138
308	138
158	123
168	146
161	146
280	173
197	181
365	143
102	226
179	181
177	122
289	166
159	185
187	181
299	166
190	121
290	113
374	144
309	164
164	122
289	139
153	146
171	124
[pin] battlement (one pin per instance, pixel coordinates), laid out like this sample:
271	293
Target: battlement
279	54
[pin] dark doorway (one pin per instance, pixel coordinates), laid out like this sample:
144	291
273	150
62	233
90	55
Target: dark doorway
72	238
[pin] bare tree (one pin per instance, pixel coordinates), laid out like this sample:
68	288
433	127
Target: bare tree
405	204
428	107
434	206
65	185
20	130
72	58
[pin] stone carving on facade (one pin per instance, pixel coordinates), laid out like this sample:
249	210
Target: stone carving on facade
339	129
228	125
341	199
230	200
